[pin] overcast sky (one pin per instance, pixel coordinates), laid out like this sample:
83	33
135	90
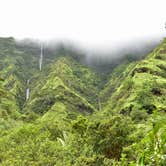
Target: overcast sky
89	22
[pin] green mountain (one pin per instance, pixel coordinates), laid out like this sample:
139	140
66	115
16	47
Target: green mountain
66	82
139	86
73	114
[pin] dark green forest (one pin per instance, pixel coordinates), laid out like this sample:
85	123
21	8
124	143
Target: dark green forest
79	114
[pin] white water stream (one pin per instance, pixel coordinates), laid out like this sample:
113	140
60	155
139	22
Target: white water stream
41	57
27	90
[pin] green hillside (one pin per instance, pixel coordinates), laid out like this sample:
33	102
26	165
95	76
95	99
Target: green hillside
141	87
78	115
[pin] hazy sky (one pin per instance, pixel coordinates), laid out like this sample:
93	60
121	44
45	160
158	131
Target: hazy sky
90	22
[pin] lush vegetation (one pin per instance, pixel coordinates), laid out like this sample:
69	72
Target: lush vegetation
78	115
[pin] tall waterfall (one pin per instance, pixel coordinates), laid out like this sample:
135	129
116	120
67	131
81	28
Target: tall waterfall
27	93
99	103
27	90
41	57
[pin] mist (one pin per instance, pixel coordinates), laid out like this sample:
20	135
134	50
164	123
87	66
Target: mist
99	58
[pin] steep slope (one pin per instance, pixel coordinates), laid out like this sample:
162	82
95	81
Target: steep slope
60	123
114	81
65	78
10	85
67	82
142	87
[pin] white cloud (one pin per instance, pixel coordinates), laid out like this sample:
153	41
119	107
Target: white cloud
90	22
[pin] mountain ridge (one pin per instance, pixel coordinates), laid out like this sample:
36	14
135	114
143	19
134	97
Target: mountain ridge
76	115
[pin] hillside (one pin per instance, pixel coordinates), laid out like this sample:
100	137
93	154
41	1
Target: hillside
140	89
77	114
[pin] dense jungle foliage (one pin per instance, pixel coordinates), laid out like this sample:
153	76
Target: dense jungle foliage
78	114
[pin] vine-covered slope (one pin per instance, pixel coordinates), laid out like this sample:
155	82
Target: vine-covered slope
77	116
140	89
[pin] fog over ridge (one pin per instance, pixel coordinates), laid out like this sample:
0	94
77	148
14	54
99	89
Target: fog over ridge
134	46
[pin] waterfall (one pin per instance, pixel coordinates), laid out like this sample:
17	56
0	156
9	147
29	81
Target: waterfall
27	82
27	91
99	103
41	57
